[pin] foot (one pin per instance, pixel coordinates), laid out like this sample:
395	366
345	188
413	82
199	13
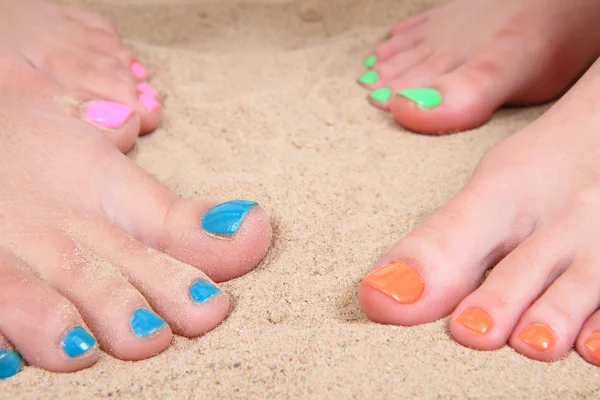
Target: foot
530	209
450	68
77	58
95	253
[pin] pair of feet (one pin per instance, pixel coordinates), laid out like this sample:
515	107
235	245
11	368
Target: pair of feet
92	244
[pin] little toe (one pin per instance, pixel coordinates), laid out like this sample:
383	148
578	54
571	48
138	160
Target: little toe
437	265
44	326
392	47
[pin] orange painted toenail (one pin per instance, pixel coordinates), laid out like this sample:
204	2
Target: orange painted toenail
592	344
476	320
397	280
538	336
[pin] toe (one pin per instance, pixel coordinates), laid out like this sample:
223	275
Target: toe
550	327
11	361
223	241
394	46
588	342
437	265
43	325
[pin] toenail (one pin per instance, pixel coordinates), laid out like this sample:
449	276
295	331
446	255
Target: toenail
146	89
369	78
226	218
538	336
381	94
107	114
370	61
592	344
149	101
77	341
476	320
397	280
144	322
139	71
424	97
10	363
202	291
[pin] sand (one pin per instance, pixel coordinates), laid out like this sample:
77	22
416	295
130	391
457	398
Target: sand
261	104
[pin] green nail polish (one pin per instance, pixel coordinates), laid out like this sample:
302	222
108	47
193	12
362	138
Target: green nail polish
369	78
370	61
381	94
424	97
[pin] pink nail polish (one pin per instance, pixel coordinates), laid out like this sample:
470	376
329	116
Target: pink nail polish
149	102
108	114
139	71
147	89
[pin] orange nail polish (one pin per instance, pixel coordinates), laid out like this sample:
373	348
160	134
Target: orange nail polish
592	344
397	280
476	320
538	336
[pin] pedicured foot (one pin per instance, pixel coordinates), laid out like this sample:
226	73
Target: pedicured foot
67	60
451	67
96	254
530	211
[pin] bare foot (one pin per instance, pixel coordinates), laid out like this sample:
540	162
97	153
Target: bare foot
95	252
530	209
71	58
453	66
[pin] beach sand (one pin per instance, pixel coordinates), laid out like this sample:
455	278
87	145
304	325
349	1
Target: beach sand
261	103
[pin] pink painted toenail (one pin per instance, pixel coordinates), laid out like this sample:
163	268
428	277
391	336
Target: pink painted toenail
139	71
147	89
108	114
149	102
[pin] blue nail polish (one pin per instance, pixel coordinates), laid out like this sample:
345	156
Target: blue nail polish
225	218
202	291
144	322
10	363
77	342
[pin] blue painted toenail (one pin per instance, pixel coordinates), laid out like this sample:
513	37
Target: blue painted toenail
77	342
144	322
10	363
226	218
202	291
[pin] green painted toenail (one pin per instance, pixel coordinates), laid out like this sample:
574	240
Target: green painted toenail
424	97
381	94
370	61
369	78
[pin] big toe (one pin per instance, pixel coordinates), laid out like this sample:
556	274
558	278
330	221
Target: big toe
223	240
429	271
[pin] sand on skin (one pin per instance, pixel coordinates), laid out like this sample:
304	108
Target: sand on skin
261	104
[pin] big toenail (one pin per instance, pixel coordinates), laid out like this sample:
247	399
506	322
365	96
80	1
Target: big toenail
592	344
424	97
107	114
226	218
144	322
397	280
381	94
202	291
10	363
147	89
139	71
476	320
149	101
369	78
370	61
77	341
538	336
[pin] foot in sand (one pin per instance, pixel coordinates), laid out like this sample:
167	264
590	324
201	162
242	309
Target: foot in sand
95	253
531	209
450	68
83	58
